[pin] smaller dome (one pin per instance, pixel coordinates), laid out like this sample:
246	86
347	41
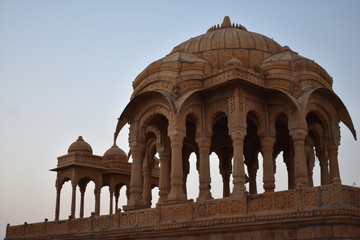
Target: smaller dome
115	154
80	146
288	60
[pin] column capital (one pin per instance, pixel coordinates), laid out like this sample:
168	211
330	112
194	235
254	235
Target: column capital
176	135
238	134
203	142
267	141
298	133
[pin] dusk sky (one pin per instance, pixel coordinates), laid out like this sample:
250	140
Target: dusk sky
66	69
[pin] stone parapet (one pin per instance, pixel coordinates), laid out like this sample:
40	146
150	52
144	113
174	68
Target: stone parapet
291	209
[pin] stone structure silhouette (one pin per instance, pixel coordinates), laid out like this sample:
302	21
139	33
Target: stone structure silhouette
237	94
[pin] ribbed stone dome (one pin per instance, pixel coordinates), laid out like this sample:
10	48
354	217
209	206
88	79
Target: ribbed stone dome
115	154
289	65
221	48
80	146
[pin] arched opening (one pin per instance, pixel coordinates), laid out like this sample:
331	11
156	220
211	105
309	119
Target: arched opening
281	175
283	144
192	181
155	129
190	154
251	151
86	206
216	176
221	144
105	200
315	151
65	199
122	191
154	196
260	174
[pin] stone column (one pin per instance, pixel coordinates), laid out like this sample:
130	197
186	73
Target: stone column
252	170
332	149
73	199
82	195
226	183
111	192
117	194
324	166
225	155
204	144
97	192
146	185
164	178
177	184
238	172
57	206
300	167
135	202
267	145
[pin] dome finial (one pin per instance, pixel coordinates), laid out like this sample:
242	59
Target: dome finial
226	23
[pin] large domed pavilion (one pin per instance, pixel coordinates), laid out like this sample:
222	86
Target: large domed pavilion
249	100
235	93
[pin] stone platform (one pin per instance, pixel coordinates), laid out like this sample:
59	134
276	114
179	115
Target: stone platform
325	212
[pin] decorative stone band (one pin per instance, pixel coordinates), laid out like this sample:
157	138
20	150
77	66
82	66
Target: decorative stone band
300	204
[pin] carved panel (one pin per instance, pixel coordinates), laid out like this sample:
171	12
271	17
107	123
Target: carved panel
310	197
351	196
104	222
144	216
327	193
272	201
14	231
58	226
218	207
80	224
35	229
177	212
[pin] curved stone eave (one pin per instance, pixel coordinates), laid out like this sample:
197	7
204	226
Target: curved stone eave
125	115
337	103
179	101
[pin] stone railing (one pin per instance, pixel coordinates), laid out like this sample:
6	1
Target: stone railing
247	208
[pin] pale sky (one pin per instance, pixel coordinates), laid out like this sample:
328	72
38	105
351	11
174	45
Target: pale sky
66	69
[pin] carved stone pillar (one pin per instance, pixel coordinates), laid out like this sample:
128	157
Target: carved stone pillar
238	173
117	194
204	144
267	145
146	185
288	156
82	195
135	202
300	166
324	166
111	206
164	178
97	192
57	206
226	183
73	199
332	149
252	170
225	155
177	184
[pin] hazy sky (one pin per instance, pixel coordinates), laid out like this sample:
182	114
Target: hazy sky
66	69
